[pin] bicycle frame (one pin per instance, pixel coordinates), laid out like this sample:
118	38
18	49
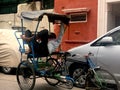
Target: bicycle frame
93	67
91	64
99	78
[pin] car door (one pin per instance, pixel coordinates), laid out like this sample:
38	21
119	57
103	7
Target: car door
108	55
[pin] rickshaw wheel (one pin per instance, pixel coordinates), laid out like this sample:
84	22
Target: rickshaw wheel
53	71
25	76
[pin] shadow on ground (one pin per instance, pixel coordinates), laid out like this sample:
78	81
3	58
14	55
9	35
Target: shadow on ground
45	86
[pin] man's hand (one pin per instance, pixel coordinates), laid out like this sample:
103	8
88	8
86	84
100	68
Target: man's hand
23	37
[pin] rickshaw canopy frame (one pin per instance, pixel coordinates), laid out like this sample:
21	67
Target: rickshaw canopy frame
38	15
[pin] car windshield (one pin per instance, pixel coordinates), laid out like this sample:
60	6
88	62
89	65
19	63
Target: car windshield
115	36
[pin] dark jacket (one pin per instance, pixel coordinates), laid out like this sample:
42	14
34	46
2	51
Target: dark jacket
41	49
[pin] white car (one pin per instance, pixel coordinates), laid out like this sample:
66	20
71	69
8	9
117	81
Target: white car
105	50
9	50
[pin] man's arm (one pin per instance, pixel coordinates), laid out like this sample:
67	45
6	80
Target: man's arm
26	38
61	33
54	44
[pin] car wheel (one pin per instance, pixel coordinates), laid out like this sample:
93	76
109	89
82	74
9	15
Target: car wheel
79	77
77	71
6	70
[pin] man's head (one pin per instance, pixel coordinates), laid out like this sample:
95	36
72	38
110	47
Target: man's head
28	33
52	35
43	35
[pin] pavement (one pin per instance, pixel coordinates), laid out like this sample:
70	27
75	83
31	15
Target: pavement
9	82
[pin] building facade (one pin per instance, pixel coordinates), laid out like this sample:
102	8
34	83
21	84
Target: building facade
89	19
83	21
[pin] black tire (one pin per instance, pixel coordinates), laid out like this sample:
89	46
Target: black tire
54	69
79	75
102	80
78	72
25	76
7	70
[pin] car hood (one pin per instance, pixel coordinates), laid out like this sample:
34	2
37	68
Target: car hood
76	50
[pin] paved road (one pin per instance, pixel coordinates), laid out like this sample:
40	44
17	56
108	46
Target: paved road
8	82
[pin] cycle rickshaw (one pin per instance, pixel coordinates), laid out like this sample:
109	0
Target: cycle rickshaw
31	68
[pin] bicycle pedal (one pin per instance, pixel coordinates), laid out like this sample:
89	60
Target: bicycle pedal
65	85
97	67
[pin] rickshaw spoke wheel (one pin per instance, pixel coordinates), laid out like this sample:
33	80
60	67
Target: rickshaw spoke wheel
25	76
53	71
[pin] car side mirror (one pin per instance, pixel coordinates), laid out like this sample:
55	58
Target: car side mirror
106	40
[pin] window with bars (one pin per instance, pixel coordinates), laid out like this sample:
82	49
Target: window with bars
10	6
48	4
78	17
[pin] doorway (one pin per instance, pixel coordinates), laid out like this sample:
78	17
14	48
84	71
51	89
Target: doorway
113	15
